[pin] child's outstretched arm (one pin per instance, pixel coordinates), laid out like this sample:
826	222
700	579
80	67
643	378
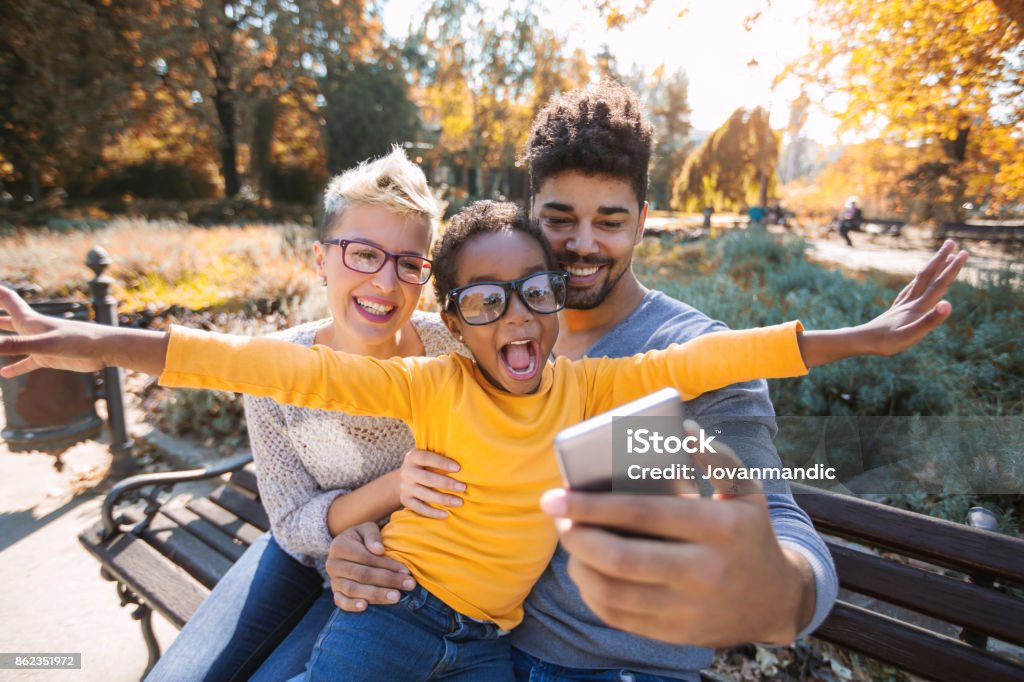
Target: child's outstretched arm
917	310
75	346
186	358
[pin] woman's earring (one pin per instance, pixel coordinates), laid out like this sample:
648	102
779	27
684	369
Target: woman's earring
323	280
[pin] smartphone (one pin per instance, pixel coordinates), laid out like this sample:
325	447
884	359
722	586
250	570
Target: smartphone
586	451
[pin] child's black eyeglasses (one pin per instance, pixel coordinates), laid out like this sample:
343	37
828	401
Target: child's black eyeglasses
485	302
367	258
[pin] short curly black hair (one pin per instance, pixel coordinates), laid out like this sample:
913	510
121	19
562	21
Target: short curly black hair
481	217
600	130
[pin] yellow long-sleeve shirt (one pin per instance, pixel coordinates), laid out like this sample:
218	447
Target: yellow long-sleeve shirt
485	557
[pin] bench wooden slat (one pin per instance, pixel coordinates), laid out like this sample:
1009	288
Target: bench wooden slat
241	530
244	507
951	600
1010	231
920	651
213	535
166	587
935	540
245	479
203	562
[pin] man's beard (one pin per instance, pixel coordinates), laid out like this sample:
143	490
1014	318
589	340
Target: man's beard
590	298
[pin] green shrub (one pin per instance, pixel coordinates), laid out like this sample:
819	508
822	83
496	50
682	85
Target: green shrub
296	184
217	417
155	180
972	365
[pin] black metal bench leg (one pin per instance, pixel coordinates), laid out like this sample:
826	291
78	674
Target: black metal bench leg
144	614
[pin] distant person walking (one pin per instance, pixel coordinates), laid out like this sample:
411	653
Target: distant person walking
708	212
850	219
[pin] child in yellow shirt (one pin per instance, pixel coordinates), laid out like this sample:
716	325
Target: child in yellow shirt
475	568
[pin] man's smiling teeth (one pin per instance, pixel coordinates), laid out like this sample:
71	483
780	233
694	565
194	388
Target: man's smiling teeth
373	307
581	270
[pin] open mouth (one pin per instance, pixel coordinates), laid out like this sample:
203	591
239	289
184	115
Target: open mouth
521	359
374	310
582	274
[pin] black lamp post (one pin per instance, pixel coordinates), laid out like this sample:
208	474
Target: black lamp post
112	386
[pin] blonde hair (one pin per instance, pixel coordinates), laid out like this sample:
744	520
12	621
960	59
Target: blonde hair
392	182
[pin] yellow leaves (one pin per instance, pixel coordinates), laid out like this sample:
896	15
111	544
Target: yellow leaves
615	19
904	58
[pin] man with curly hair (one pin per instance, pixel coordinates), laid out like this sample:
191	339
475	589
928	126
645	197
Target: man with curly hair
728	570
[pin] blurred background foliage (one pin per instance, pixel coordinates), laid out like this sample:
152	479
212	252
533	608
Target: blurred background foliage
259	101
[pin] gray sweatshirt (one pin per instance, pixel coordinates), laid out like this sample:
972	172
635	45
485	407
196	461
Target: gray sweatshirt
559	627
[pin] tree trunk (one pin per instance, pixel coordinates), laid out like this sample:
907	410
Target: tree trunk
224	102
34	182
762	196
262	139
956	152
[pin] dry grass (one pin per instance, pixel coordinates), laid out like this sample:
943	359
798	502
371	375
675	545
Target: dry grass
159	264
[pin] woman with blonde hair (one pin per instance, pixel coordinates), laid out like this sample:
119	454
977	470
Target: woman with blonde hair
321	472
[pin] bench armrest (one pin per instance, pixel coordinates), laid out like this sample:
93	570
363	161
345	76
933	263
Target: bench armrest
149	488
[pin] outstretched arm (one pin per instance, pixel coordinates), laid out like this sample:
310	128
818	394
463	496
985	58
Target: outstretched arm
75	346
915	313
720	359
308	377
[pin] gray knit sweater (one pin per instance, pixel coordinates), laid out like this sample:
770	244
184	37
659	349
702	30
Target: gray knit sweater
306	458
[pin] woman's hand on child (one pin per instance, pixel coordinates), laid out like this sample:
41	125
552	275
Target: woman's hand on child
360	573
47	341
421	485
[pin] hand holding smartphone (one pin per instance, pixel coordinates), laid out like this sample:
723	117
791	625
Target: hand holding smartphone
595	455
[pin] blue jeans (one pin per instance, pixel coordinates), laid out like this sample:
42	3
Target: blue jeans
260	622
419	638
531	669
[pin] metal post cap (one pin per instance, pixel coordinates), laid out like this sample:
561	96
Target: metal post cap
98	260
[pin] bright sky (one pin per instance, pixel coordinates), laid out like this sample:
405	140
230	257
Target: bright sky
708	42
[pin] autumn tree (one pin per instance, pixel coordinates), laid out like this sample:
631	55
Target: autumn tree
871	170
669	109
296	46
733	167
235	63
937	74
368	110
607	65
480	70
553	70
62	98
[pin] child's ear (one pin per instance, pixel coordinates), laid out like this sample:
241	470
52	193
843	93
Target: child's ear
454	325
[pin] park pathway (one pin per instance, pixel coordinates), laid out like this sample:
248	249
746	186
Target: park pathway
902	261
54	600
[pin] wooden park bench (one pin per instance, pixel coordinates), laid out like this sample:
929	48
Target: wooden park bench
167	551
922	594
876	227
885	227
1005	232
897	570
